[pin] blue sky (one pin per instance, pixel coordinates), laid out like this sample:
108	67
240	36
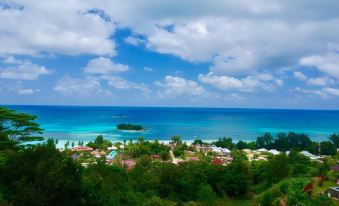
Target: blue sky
244	53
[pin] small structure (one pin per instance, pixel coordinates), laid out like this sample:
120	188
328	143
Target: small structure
193	159
309	155
217	161
262	150
128	163
220	150
96	153
155	156
333	192
274	151
82	148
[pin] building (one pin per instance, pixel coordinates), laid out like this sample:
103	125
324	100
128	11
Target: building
83	149
333	192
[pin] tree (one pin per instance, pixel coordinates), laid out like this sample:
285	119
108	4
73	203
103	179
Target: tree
265	141
327	148
176	139
41	175
281	142
295	194
224	143
241	145
206	195
277	168
335	139
19	126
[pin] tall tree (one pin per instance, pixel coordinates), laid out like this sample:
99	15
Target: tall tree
19	126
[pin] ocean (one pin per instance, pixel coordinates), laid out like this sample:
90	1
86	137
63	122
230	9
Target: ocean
84	123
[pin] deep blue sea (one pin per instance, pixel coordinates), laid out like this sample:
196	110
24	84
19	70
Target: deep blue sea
83	123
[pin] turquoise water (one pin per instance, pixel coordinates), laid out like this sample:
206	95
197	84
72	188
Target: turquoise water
83	123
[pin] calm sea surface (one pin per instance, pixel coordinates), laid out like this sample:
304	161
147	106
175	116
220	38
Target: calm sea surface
76	123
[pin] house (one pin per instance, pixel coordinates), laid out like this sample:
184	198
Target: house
82	149
309	155
193	159
333	192
262	150
217	161
274	151
220	150
155	156
96	153
128	163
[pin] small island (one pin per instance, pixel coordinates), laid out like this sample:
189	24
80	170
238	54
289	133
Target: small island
130	127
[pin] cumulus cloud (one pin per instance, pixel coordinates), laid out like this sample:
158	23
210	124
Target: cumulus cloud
25	71
26	91
317	81
104	65
328	63
30	27
246	84
134	41
11	60
299	76
326	92
82	87
173	86
331	91
120	83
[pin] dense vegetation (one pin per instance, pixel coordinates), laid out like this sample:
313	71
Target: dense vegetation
42	175
128	126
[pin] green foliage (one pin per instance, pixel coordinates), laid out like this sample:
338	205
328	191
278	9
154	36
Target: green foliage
206	195
179	150
128	126
295	194
41	175
100	143
141	148
224	143
322	200
242	145
335	139
265	141
328	148
18	126
176	139
198	141
277	168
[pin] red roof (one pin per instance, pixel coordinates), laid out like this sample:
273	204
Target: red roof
83	148
217	161
193	159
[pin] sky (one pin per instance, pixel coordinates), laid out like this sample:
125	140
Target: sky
191	53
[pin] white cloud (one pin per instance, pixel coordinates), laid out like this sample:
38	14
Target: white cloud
320	81
325	92
173	86
300	76
11	60
134	41
33	27
331	91
25	71
82	87
120	83
26	91
246	84
317	81
104	65
328	63
148	69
